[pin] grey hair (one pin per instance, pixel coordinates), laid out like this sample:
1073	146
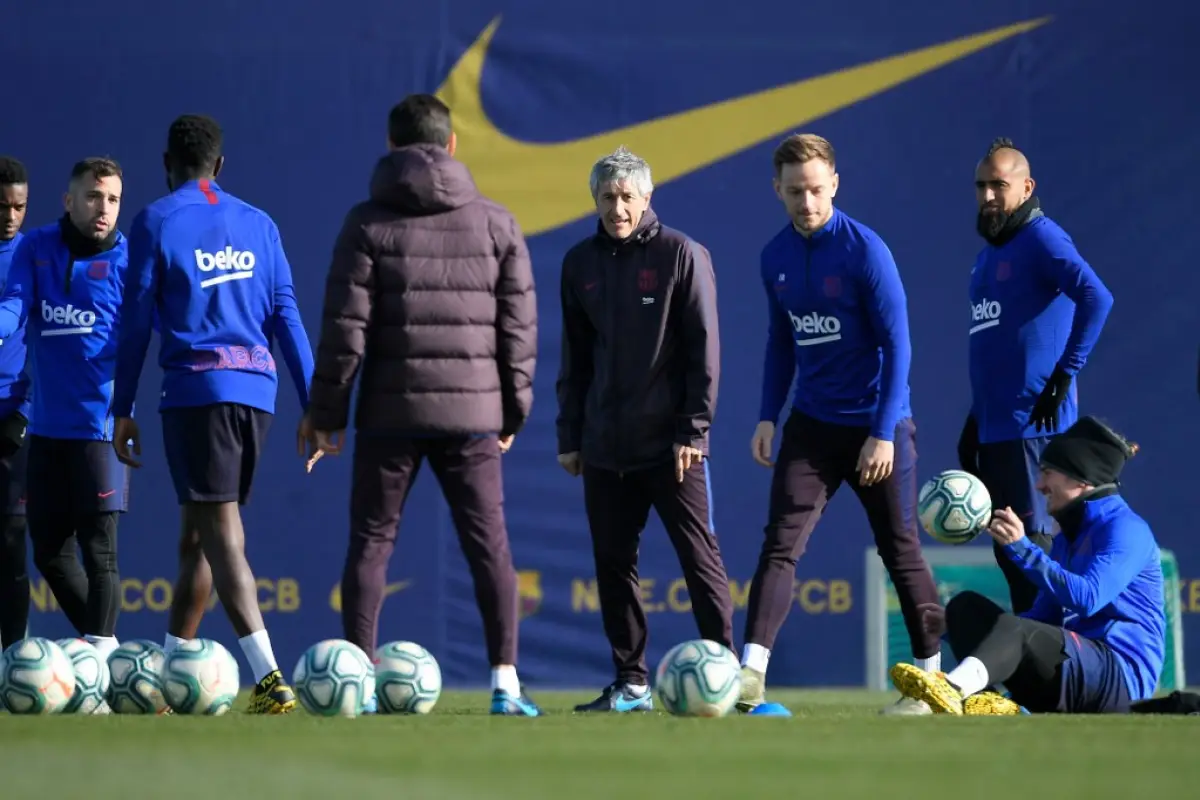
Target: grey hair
621	165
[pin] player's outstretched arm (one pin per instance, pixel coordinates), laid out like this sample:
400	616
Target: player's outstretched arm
138	310
289	328
1119	551
18	290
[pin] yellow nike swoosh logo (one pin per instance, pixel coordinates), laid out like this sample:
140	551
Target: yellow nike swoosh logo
335	596
545	185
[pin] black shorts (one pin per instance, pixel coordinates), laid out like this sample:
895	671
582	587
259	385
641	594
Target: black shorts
82	476
212	450
14	469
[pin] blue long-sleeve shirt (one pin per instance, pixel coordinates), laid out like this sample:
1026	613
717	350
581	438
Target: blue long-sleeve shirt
214	268
838	323
1035	304
14	381
1106	584
70	308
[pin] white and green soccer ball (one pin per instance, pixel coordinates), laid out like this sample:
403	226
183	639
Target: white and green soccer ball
36	677
136	685
200	676
408	679
698	678
334	678
91	677
953	506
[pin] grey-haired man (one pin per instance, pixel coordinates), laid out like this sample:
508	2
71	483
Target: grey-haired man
637	391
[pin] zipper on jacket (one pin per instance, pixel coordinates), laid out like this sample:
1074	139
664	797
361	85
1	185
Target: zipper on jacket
616	277
70	271
807	265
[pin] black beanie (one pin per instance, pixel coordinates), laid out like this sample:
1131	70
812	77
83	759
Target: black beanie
1089	451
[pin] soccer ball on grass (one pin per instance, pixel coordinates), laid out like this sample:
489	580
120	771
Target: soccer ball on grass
698	678
407	679
200	677
136	668
334	678
953	506
91	677
36	677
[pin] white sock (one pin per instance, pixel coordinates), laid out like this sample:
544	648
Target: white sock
257	647
171	642
931	664
637	688
103	644
755	656
505	679
970	676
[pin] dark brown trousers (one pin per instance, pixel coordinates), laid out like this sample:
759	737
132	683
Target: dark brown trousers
468	471
618	507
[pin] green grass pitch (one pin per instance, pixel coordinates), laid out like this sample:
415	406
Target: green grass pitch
836	747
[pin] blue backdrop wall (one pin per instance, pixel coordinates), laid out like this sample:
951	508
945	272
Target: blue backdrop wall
1099	94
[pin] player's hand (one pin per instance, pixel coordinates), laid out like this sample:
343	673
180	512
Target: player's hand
571	462
1044	416
685	457
1006	527
875	461
933	618
125	434
761	442
506	442
330	442
306	444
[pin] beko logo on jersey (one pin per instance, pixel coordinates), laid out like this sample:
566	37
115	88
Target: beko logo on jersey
76	320
234	264
984	314
816	328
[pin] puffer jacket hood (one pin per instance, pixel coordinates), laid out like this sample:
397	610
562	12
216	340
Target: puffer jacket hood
422	179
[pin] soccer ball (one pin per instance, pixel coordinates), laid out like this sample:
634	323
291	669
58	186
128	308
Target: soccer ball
334	678
91	678
954	506
408	679
136	668
36	677
699	678
200	677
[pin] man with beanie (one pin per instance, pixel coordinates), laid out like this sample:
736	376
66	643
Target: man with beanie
1037	310
1095	639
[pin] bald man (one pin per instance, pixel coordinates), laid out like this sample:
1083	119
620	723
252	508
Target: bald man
1037	309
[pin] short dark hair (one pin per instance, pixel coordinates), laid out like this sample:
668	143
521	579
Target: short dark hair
194	142
98	167
419	119
801	147
1000	143
12	172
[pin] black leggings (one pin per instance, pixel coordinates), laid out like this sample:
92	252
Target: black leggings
14	580
1023	654
89	596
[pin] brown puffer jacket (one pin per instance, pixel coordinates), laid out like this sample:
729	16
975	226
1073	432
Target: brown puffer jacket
431	297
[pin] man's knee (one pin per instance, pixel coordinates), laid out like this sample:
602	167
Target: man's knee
969	610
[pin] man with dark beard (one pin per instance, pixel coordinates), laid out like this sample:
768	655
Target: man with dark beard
1037	309
64	289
